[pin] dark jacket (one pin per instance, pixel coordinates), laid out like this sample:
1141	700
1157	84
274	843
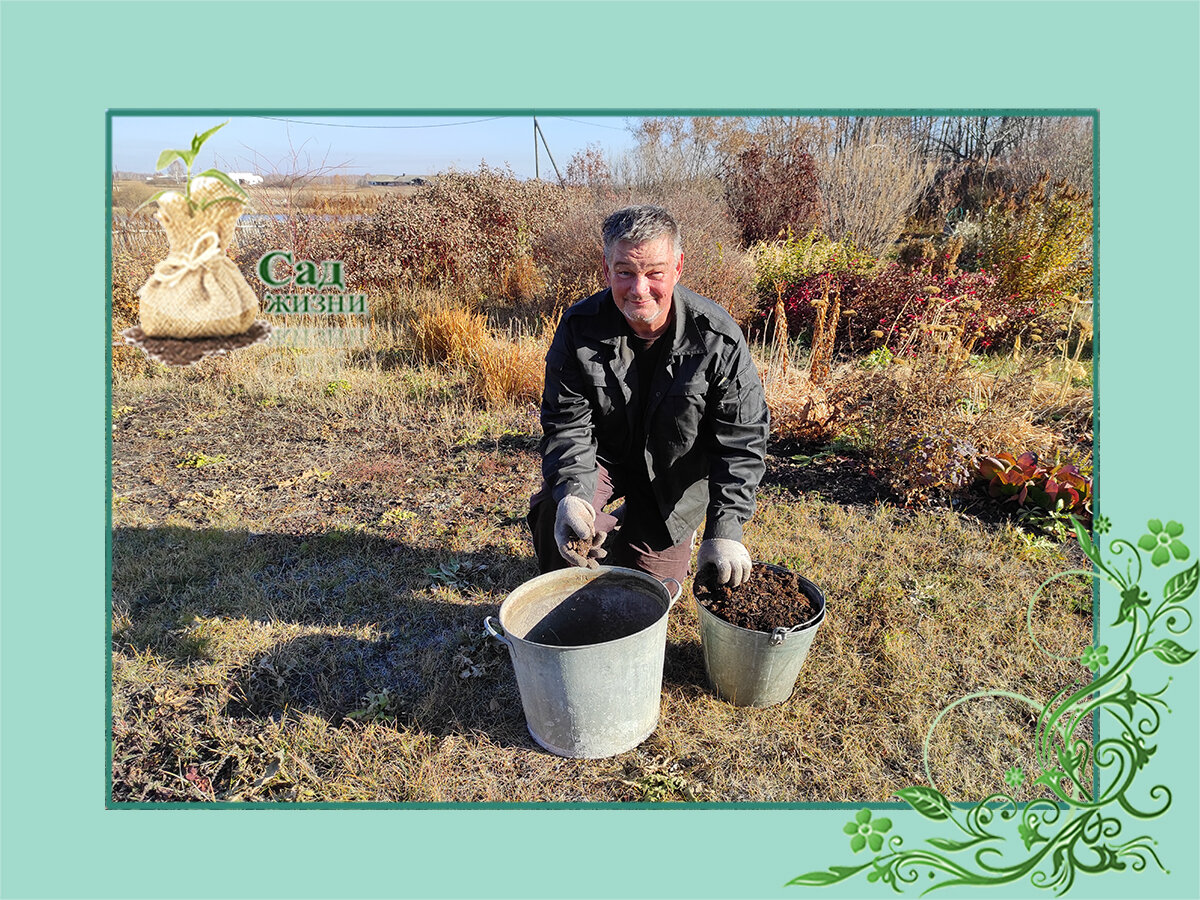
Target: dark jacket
706	420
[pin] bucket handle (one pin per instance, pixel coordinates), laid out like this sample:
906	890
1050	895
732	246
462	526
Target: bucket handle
678	590
498	635
780	634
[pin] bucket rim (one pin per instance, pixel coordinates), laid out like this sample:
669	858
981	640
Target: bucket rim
808	624
595	573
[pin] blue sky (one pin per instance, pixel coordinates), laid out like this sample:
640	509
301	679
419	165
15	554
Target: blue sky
354	145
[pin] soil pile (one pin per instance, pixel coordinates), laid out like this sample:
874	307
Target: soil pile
185	351
769	599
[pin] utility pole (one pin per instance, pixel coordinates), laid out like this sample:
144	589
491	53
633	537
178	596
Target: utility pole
537	130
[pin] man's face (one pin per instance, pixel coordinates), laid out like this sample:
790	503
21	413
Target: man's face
642	278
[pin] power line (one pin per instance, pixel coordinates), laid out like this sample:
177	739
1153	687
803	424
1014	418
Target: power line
343	125
593	124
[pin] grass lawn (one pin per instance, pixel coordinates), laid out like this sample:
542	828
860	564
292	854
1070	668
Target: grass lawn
304	551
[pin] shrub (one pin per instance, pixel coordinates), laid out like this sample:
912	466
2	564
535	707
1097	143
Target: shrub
926	414
792	258
467	230
771	191
781	263
883	309
569	248
871	176
1038	243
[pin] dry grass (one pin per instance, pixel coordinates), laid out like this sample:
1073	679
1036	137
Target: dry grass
278	633
500	369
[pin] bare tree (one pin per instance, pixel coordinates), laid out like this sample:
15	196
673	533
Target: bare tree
1056	146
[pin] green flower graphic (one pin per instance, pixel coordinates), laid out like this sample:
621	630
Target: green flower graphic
1094	657
1102	525
1163	542
865	832
1028	833
1081	827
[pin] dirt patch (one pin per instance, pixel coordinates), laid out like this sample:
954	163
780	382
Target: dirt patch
185	351
839	478
769	599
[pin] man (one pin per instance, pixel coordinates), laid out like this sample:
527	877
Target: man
651	395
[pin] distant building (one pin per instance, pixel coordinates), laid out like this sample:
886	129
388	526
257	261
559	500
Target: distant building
400	180
246	178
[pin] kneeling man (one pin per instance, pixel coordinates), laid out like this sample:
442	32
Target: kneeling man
651	395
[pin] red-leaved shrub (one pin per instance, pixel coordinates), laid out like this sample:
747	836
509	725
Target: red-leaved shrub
878	310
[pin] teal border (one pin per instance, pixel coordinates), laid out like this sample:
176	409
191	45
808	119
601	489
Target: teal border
58	840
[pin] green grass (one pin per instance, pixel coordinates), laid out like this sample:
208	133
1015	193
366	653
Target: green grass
295	622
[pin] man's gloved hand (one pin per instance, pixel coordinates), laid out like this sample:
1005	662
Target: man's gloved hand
730	560
575	533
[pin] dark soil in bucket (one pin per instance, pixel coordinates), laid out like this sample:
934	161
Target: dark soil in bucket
768	599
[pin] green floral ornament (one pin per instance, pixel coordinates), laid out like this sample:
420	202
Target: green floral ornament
1094	657
1162	540
1080	827
1102	525
865	832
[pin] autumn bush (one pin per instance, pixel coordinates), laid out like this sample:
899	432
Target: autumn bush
468	230
772	190
925	415
881	309
1038	242
569	248
781	262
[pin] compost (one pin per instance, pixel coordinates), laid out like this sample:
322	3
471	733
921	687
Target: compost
185	351
767	600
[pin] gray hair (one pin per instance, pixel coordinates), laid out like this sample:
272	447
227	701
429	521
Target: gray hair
637	225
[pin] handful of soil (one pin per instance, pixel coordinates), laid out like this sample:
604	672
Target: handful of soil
585	547
771	598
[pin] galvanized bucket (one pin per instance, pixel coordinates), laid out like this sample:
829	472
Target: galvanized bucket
757	668
587	647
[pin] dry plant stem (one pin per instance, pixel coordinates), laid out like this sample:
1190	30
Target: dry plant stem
824	332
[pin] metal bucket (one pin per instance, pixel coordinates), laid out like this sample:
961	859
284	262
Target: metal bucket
757	668
587	647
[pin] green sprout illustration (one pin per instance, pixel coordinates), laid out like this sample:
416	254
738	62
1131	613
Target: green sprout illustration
188	157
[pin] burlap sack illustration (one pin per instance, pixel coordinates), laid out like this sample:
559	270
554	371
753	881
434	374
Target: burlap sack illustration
197	291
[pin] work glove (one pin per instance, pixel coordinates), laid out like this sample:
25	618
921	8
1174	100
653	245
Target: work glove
722	561
575	533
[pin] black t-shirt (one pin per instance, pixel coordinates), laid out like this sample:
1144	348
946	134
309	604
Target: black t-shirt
647	359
